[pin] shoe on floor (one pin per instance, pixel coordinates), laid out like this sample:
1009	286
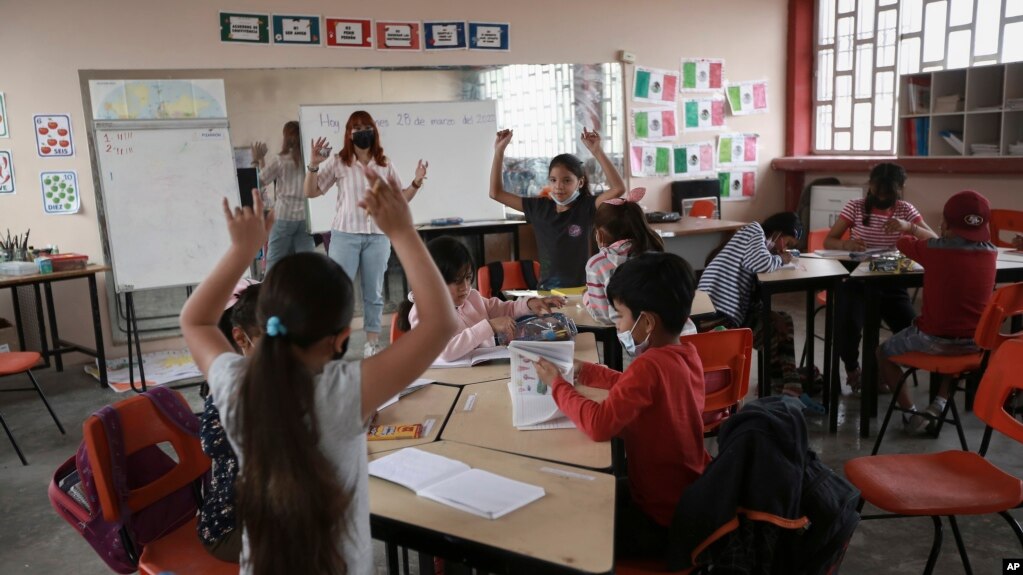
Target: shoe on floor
926	420
852	379
371	348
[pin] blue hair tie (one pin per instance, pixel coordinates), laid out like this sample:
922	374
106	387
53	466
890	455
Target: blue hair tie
274	327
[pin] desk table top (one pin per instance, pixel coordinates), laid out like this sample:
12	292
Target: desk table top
89	270
431	402
585	349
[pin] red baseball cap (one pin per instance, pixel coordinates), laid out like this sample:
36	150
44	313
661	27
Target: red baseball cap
967	213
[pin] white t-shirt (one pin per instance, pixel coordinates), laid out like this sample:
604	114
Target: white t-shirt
338	400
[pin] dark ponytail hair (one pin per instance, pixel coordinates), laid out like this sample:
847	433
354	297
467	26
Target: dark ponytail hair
885	179
784	223
573	164
289	500
626	221
452	258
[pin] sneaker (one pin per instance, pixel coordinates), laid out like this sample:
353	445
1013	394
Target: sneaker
371	348
852	379
926	420
917	423
934	411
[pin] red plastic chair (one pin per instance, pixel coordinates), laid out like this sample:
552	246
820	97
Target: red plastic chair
15	362
513	278
952	483
1005	221
702	209
179	551
726	357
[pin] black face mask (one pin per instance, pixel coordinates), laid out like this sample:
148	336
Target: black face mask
364	139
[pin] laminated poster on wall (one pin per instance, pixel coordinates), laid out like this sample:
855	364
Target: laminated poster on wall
701	114
747	97
157	99
444	36
490	36
737	150
349	32
738	184
60	192
693	159
296	30
650	160
404	35
4	132
655	85
702	74
244	28
6	172
53	135
654	124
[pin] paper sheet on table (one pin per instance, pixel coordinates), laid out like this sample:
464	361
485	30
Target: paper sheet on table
415	468
483	493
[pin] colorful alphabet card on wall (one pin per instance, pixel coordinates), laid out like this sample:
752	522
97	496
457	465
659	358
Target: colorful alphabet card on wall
654	85
702	74
693	159
649	160
703	114
244	28
60	192
6	172
350	32
53	135
4	132
444	36
747	97
398	36
296	30
737	150
490	36
654	124
738	184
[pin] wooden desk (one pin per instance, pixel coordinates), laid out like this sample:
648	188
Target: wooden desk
695	238
585	349
569	530
489	425
59	346
811	276
433	402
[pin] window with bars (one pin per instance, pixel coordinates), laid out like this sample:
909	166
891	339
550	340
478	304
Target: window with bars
863	45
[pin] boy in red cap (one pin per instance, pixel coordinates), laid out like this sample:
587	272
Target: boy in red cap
959	276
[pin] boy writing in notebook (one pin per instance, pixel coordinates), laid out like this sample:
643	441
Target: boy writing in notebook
655	406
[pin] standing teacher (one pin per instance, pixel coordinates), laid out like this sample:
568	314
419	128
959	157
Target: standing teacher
355	240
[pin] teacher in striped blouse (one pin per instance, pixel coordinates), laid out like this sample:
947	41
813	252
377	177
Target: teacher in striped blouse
356	243
290	233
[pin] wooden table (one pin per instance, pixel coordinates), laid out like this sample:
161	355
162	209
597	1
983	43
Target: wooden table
585	349
811	275
569	530
432	402
489	424
59	346
695	238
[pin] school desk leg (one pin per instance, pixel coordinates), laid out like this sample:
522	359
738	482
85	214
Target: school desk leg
811	300
52	312
764	365
515	244
868	382
831	381
17	317
97	326
42	326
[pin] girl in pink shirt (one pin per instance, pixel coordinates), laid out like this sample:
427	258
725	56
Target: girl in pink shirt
480	319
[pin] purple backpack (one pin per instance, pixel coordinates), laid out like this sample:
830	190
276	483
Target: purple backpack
72	491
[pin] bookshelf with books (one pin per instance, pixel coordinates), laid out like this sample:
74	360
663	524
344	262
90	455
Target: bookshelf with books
965	112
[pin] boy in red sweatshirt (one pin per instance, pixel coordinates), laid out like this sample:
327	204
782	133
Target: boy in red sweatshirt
655	406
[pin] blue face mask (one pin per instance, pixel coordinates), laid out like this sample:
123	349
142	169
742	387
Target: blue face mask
631	347
570	199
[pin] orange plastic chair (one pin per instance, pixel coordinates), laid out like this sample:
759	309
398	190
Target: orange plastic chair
179	551
1004	303
702	209
1007	221
15	362
513	278
396	331
726	357
951	483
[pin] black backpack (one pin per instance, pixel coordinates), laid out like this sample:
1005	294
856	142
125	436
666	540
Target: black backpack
496	270
829	502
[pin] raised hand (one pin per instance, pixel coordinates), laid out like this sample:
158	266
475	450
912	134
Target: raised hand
249	227
320	151
386	205
504	137
421	168
591	140
259	150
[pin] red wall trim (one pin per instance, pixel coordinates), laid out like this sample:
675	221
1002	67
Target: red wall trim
799	77
913	164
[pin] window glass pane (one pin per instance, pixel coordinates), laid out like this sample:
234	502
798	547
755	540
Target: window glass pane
986	27
843	101
912	15
884	98
959	48
861	128
845	44
886	21
825	73
960	12
843	141
846	6
826	21
824	127
934	32
1013	8
1012	49
909	56
882	141
887	2
864	70
865	20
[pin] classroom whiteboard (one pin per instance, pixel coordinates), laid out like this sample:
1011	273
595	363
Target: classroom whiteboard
457	138
162	183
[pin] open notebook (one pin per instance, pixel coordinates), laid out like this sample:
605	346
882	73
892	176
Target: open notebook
478	355
454	483
533	404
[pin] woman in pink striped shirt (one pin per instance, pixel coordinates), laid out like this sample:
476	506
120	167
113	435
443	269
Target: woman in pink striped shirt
289	234
355	240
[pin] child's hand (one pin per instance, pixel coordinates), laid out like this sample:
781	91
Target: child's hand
504	137
786	257
386	205
591	140
258	151
543	305
320	152
547	371
577	366
503	326
420	172
897	225
249	227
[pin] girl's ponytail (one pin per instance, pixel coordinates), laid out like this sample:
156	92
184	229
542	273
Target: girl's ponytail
625	220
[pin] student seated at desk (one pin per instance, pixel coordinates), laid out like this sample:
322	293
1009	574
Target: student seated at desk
480	319
656	405
959	277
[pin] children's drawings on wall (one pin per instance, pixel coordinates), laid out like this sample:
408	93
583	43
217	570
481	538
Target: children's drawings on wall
693	159
648	160
747	97
703	114
737	150
654	124
738	184
654	85
702	74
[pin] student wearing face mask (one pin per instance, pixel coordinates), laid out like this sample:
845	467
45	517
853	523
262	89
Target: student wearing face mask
655	406
356	242
874	222
285	170
563	222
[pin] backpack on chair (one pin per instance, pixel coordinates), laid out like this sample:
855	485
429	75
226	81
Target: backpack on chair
74	495
496	272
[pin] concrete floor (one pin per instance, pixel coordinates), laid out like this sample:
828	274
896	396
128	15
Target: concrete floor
33	539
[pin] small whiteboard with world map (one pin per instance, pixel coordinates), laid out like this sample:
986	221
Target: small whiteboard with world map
157	99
